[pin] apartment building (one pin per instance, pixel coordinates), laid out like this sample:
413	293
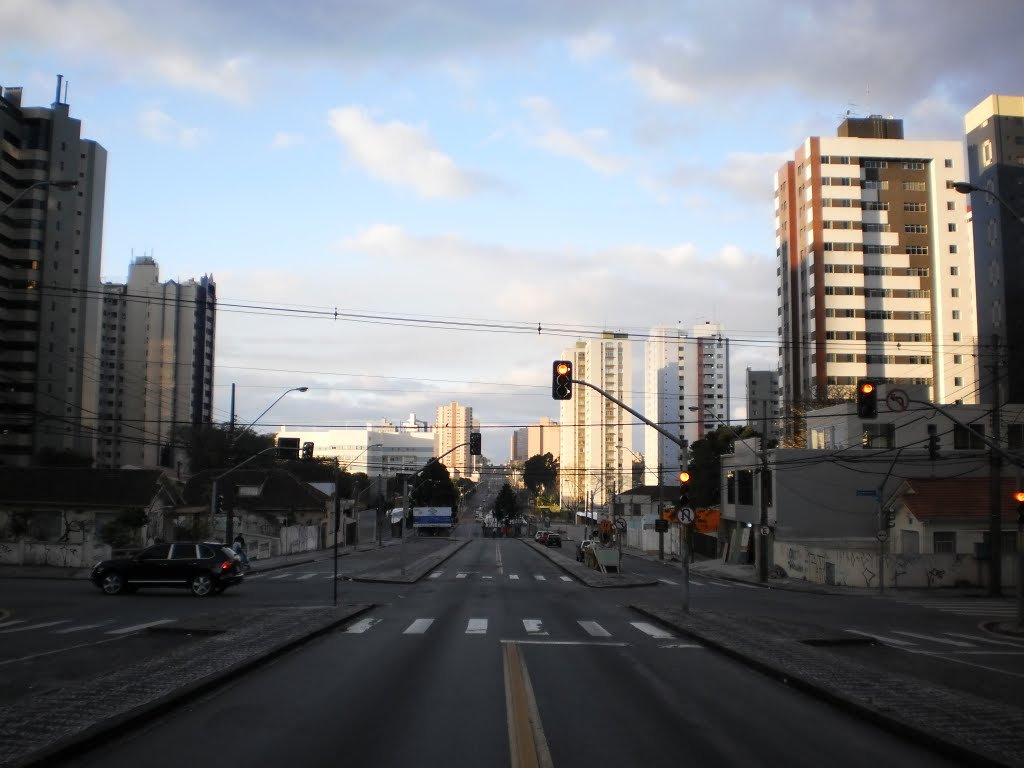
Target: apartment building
595	434
452	425
380	449
542	438
155	368
763	404
518	449
876	277
686	389
995	160
52	184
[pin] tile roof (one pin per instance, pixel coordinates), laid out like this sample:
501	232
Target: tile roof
957	498
80	486
278	489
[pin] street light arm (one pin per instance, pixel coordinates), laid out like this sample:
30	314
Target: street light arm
265	412
60	184
965	188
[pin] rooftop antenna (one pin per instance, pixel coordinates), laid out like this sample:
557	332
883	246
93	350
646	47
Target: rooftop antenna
66	84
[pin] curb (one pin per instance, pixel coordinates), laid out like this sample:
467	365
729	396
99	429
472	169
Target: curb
412	576
586	577
104	730
929	738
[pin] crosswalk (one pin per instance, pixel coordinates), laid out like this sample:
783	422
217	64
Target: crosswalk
582	631
965	643
439	575
72	626
992	608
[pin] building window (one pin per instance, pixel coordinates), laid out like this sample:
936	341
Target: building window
986	152
955	293
1015	437
948	163
944	542
972	438
956	335
954	271
914	186
730	488
958	381
951	226
745	487
879	436
958	359
956	314
950	205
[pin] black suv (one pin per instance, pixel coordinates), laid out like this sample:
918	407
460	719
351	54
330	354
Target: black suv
553	540
204	567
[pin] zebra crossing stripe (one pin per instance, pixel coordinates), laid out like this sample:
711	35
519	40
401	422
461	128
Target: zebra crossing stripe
476	627
436	574
461	575
539	577
956	643
980	639
652	630
33	626
82	628
880	638
280	576
513	577
565	578
669	581
137	627
594	629
305	576
533	627
6	624
361	626
418	627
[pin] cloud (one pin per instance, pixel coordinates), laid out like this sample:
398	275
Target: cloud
746	175
662	87
284	140
162	128
590	46
545	131
400	154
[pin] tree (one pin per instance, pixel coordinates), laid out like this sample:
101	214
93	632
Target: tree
51	457
795	433
506	505
433	487
215	446
123	531
705	462
540	474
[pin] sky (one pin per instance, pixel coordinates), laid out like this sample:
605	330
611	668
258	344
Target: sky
405	204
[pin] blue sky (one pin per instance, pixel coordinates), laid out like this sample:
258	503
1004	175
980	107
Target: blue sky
584	164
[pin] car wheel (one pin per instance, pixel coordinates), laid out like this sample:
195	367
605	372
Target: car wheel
112	583
201	585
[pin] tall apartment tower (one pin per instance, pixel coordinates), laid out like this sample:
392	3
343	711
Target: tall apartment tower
875	268
995	161
683	372
50	241
763	403
452	426
595	433
543	438
519	445
156	365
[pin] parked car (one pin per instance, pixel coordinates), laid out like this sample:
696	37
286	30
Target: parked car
203	567
553	540
581	549
541	536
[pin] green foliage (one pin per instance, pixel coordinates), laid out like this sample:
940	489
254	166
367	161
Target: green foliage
123	531
706	462
215	446
540	474
506	504
433	487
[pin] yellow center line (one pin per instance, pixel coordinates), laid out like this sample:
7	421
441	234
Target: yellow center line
528	747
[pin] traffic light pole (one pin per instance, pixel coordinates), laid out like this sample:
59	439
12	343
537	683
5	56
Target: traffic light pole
662	431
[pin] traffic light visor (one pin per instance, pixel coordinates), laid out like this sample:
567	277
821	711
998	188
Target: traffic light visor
562	368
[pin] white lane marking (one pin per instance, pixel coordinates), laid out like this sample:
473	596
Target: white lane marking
653	631
280	576
250	576
306	576
476	627
932	638
533	627
981	639
137	627
34	626
418	627
513	577
361	626
461	575
720	584
669	581
486	577
698	583
436	574
565	642
538	577
5	662
594	629
881	638
82	628
12	623
565	578
741	584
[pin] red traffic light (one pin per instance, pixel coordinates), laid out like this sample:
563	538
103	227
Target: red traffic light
867	388
562	368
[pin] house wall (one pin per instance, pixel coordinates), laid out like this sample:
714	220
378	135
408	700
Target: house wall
859	567
61	554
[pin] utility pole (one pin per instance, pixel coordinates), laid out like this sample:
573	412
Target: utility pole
232	427
762	555
995	520
661	506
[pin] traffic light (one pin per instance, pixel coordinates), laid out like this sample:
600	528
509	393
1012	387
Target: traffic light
307	451
890	519
475	443
1019	497
561	380
218	504
933	442
867	399
684	489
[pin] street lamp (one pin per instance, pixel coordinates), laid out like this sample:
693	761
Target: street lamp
995	521
64	184
229	525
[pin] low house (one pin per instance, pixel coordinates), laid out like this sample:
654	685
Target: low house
73	516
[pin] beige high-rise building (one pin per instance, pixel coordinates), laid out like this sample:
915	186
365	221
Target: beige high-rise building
452	426
543	438
156	366
876	277
51	236
596	435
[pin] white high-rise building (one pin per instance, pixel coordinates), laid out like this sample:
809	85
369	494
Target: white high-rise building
380	449
51	236
596	435
155	365
876	277
452	426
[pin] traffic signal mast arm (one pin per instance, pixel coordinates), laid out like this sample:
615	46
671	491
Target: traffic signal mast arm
668	435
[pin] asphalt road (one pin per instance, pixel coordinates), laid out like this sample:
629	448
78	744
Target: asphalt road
492	659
